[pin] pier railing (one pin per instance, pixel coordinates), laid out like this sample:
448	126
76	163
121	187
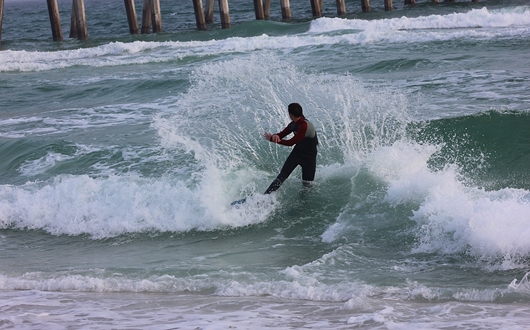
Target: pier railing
152	18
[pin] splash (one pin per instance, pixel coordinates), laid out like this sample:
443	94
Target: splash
452	217
109	207
350	116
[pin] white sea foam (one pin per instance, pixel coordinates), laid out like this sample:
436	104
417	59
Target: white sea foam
107	207
84	283
51	159
41	165
483	18
522	286
115	53
453	217
37	309
75	119
308	282
477	23
448	315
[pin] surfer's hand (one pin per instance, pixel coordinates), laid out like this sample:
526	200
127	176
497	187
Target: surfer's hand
271	137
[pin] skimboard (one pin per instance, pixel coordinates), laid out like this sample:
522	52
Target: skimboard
239	202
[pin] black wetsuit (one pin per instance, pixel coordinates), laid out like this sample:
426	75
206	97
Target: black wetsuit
304	153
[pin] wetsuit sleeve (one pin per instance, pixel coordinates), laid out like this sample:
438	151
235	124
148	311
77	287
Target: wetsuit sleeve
286	131
299	136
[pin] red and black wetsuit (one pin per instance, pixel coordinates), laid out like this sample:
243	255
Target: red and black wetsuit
304	153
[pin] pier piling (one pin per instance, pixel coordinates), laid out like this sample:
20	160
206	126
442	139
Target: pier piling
410	2
388	5
199	14
156	16
131	16
316	7
55	20
267	8
365	6
1	19
225	14
146	17
341	7
79	18
286	9
73	26
151	15
258	10
209	11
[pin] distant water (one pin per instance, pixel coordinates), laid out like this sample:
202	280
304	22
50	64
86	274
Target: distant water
119	158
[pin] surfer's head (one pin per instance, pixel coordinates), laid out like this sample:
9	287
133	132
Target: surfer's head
295	109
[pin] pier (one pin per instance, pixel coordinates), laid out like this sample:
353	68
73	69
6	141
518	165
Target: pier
1	19
152	18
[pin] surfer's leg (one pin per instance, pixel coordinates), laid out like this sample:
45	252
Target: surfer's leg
288	167
274	185
309	167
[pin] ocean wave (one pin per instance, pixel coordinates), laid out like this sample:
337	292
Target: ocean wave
490	225
453	217
229	162
295	286
475	18
74	119
109	207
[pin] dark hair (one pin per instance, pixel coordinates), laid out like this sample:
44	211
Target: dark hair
295	109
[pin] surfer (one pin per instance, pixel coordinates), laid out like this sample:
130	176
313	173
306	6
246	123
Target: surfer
305	151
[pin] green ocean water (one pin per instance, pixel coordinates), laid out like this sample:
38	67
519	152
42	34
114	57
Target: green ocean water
119	157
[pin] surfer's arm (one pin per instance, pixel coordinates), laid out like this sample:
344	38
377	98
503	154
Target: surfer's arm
286	131
276	138
299	136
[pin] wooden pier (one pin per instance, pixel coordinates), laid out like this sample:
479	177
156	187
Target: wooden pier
152	18
1	18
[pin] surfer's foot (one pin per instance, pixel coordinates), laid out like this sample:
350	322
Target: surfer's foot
307	184
238	202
